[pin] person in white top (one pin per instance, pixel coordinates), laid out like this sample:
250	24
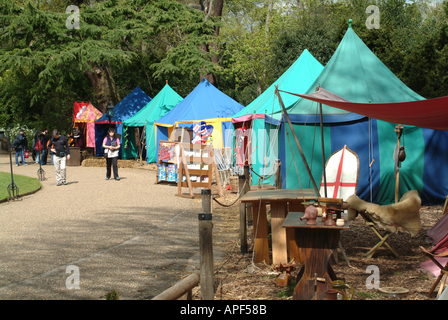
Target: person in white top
111	145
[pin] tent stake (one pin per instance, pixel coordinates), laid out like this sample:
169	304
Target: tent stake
316	189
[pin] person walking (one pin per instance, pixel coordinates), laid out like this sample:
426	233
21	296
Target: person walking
61	153
111	145
44	140
20	143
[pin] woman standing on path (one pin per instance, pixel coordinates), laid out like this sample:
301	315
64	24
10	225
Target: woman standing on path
111	147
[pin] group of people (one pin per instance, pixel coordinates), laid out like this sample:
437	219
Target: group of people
59	149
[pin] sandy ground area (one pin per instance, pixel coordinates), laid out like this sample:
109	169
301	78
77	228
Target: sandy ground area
129	235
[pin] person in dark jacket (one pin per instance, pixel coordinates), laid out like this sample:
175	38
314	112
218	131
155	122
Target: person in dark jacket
20	147
44	139
59	146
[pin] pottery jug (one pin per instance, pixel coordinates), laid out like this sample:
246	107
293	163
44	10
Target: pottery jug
332	294
340	285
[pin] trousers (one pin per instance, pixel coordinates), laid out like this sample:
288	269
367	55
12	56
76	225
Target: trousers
112	162
60	164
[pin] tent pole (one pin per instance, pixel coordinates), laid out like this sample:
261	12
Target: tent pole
323	148
398	129
316	189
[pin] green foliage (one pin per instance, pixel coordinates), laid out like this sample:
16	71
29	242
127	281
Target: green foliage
36	44
43	64
25	184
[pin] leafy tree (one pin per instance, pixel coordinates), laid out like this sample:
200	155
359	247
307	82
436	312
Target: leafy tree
37	44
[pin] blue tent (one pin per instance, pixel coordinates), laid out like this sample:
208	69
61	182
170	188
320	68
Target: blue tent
125	109
205	102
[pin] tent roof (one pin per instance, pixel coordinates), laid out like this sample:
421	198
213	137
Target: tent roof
431	113
204	102
298	78
356	74
162	103
127	107
89	114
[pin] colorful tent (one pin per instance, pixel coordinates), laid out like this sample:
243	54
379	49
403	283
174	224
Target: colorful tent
356	74
125	109
256	116
86	120
160	105
297	78
204	103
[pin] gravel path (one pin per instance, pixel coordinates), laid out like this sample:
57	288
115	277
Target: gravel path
129	235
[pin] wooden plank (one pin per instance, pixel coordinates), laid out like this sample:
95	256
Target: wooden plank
294	251
279	195
279	243
293	221
261	233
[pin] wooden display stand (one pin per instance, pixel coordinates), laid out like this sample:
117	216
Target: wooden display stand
197	155
170	160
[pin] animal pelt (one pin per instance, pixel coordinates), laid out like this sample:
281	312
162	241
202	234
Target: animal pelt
403	216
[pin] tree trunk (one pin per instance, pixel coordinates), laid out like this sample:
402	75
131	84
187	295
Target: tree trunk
103	85
217	12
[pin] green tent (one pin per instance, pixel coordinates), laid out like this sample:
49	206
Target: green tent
161	104
356	74
263	142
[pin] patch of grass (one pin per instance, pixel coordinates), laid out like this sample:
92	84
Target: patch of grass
287	291
25	184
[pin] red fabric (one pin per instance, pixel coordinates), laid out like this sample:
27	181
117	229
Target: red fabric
77	106
430	113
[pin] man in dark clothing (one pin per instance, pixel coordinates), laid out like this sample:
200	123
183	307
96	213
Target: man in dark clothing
44	139
20	147
59	146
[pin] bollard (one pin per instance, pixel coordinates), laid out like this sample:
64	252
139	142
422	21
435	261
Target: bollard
207	278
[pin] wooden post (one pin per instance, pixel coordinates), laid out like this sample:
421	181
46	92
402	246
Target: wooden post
398	129
249	214
316	189
323	149
243	224
206	247
278	176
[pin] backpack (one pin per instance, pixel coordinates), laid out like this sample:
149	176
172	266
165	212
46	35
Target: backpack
15	142
38	146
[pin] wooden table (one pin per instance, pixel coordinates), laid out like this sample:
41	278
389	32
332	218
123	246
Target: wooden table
316	243
281	201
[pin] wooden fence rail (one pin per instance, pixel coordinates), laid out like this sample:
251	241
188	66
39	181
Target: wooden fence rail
181	288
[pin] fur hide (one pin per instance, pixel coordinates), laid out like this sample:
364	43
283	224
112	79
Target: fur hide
403	216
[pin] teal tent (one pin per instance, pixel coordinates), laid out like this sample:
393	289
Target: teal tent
160	105
356	74
297	78
256	116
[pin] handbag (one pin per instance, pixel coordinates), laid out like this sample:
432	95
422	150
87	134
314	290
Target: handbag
105	153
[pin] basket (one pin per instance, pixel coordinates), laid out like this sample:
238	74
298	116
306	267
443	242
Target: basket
234	181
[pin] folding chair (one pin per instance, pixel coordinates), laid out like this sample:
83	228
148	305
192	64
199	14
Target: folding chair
443	270
371	224
439	235
341	179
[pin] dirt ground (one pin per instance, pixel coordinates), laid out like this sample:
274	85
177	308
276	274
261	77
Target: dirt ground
238	278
